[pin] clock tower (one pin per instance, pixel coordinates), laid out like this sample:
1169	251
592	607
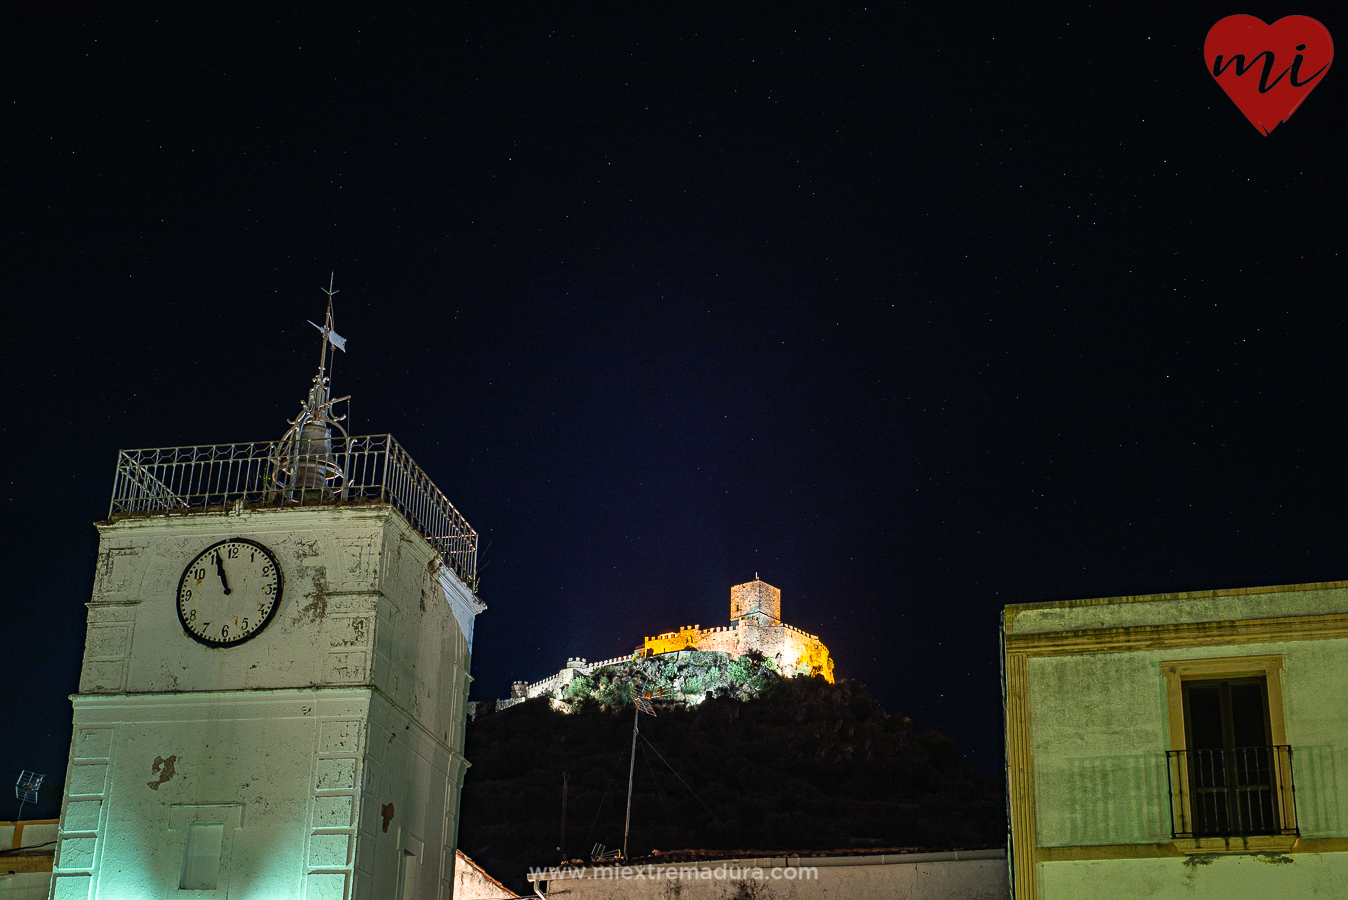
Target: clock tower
272	698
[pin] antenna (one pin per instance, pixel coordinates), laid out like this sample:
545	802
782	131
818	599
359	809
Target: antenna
561	841
25	789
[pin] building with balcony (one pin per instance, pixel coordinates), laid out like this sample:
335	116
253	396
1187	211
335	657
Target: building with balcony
1179	745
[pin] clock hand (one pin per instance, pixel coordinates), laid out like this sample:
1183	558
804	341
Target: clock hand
220	568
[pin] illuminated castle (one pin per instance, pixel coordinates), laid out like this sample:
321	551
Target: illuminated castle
755	625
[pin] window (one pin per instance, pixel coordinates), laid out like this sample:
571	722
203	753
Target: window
201	859
1230	757
1229	765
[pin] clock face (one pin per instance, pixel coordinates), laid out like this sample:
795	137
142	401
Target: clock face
229	592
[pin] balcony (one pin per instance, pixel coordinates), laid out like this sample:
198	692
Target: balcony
1232	793
339	470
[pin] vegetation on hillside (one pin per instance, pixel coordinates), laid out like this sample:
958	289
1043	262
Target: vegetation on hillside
807	765
685	675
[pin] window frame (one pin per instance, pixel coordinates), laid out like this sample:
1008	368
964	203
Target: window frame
1269	667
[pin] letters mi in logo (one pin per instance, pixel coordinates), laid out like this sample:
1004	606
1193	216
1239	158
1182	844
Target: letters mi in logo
1268	69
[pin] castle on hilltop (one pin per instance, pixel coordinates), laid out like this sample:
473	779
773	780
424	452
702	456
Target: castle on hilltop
755	627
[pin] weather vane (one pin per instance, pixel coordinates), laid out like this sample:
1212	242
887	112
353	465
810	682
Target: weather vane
307	468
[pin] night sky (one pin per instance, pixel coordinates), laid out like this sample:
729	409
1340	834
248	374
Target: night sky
914	310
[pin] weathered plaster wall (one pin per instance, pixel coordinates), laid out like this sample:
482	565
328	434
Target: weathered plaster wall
409	805
278	767
339	562
1100	729
331	742
421	651
977	875
471	882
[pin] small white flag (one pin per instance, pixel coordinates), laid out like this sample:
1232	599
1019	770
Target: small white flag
333	337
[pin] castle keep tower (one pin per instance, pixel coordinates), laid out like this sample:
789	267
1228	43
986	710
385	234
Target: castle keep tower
757	602
755	626
272	698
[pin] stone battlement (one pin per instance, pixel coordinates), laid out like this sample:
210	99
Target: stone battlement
755	610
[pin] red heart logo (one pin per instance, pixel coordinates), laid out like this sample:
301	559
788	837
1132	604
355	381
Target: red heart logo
1268	69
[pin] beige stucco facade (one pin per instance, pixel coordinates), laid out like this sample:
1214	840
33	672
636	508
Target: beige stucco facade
1100	787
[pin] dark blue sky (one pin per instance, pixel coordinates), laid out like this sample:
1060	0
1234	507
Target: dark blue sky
914	310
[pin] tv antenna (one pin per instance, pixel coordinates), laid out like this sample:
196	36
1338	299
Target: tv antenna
25	789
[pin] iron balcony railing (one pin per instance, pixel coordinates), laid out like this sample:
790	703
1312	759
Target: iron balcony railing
274	473
1232	792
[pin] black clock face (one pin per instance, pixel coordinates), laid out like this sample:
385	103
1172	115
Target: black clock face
229	592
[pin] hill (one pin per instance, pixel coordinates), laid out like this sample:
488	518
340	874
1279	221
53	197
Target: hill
806	765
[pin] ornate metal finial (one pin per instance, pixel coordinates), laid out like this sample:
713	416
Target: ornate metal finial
307	468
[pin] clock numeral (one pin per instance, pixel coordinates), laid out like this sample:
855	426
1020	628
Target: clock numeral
269	589
199	574
233	552
266	570
187	593
224	632
191	615
245	624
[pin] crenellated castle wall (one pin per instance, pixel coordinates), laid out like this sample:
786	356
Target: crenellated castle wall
794	652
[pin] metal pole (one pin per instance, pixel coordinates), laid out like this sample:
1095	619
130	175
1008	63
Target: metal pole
631	769
561	841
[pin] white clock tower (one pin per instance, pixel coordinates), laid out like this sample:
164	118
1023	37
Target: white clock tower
273	693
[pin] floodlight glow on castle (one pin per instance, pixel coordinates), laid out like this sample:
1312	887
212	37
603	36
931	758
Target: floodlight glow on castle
755	625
